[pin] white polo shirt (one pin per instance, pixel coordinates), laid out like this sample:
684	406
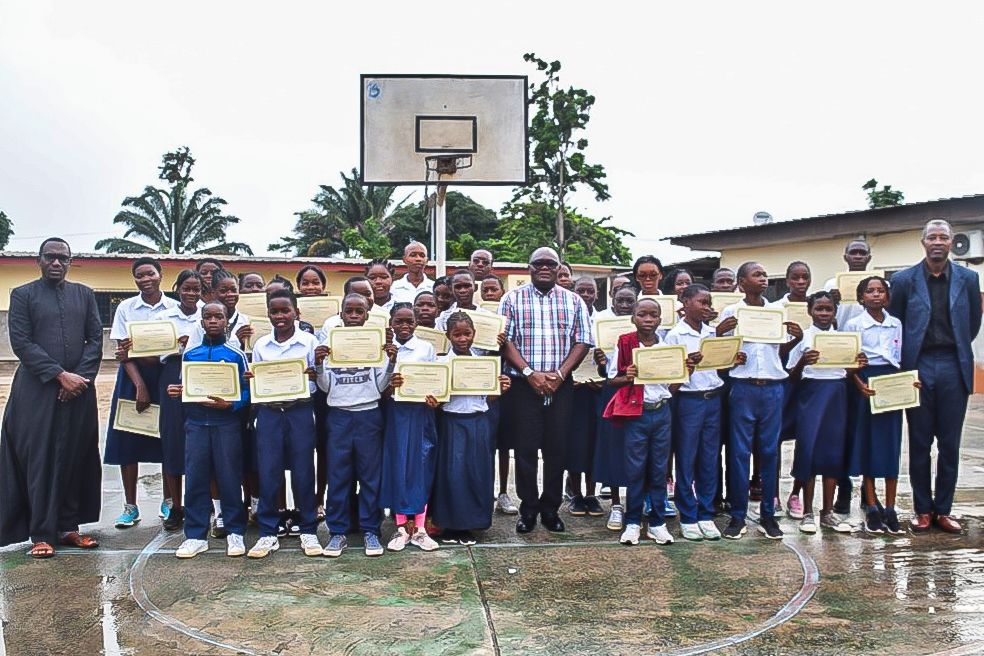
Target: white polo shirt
682	333
414	350
300	346
405	291
136	309
806	344
763	359
461	404
236	321
881	342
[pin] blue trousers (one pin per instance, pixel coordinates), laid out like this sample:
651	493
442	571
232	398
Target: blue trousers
213	452
940	415
285	439
647	452
355	453
756	419
696	444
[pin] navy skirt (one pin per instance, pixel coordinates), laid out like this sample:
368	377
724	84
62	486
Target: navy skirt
463	485
409	457
877	439
583	430
789	407
821	429
124	447
172	420
609	454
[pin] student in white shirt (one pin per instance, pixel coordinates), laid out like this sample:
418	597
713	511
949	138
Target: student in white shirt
225	290
463	289
405	289
380	274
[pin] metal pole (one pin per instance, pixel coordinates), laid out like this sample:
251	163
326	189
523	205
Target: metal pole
440	230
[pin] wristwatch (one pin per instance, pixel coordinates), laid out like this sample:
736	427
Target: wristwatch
527	370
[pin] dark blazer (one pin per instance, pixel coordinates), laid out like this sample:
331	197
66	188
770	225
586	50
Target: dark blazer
910	303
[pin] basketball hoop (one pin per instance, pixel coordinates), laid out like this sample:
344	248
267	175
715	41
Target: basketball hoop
447	164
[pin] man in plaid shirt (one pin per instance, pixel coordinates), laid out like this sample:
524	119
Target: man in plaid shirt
548	333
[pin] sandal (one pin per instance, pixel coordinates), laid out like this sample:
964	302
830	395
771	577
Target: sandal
41	550
75	539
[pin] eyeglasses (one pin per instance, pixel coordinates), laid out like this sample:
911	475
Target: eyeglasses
51	257
647	276
544	264
481	260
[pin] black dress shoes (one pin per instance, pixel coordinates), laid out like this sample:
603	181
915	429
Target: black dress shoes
553	523
525	524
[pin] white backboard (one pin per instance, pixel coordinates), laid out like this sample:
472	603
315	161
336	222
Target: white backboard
407	118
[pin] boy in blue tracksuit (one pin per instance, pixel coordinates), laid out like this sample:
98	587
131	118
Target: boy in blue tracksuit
213	447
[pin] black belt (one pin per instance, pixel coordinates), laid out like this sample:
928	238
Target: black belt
701	394
757	381
654	406
283	406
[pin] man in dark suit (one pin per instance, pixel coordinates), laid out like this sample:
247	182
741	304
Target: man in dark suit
939	305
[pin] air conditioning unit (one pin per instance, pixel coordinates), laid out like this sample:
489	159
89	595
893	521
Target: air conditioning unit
968	245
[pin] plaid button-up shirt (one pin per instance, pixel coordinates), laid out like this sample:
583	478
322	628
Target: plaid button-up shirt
545	327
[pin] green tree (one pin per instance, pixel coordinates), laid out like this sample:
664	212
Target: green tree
468	223
173	220
347	220
528	226
884	197
6	230
558	163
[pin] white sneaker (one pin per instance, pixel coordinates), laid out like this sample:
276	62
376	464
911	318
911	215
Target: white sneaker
399	540
691	532
266	546
506	505
191	548
615	518
235	546
310	545
423	541
630	535
808	525
709	529
659	534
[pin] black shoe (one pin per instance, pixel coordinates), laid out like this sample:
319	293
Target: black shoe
525	524
577	507
294	523
449	537
175	520
282	523
889	518
735	530
553	523
769	527
873	522
594	507
466	538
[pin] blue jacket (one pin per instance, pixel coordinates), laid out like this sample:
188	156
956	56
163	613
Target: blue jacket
216	350
910	303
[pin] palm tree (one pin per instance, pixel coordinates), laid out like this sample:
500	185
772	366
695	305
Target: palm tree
171	220
326	229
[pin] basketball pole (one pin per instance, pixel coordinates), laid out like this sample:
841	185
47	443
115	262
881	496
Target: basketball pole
440	230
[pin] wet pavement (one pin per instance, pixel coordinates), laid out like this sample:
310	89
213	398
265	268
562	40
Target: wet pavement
572	593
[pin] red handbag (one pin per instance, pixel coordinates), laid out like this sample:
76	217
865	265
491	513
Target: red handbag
627	402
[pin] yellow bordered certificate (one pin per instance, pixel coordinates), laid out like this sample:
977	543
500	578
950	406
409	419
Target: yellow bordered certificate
661	365
421	379
151	338
434	337
487	329
356	346
276	381
718	352
142	423
607	331
762	325
837	350
201	380
316	310
894	392
667	309
475	375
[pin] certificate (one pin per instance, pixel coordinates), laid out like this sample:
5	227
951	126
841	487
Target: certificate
475	375
377	320
837	350
142	423
721	300
761	324
261	327
489	306
201	380
718	352
435	338
421	379
152	338
667	309
848	281
253	305
607	331
487	329
587	371
894	392
356	346
797	313
316	310
279	380
661	365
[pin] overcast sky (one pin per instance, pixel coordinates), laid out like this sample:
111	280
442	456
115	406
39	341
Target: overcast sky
705	113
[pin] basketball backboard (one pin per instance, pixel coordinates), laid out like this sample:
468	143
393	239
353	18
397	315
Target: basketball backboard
410	120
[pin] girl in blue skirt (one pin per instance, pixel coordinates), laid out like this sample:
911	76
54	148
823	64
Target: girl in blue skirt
877	444
136	380
821	417
409	443
465	466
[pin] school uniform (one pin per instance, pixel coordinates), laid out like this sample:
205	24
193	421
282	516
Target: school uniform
755	404
404	291
236	321
441	322
285	439
355	442
124	447
848	308
409	443
696	431
465	464
172	410
608	464
877	439
336	322
788	430
821	416
387	306
214	449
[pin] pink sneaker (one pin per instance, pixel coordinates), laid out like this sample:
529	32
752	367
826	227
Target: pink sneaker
794	507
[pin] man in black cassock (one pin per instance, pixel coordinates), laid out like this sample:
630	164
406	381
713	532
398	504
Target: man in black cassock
50	474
